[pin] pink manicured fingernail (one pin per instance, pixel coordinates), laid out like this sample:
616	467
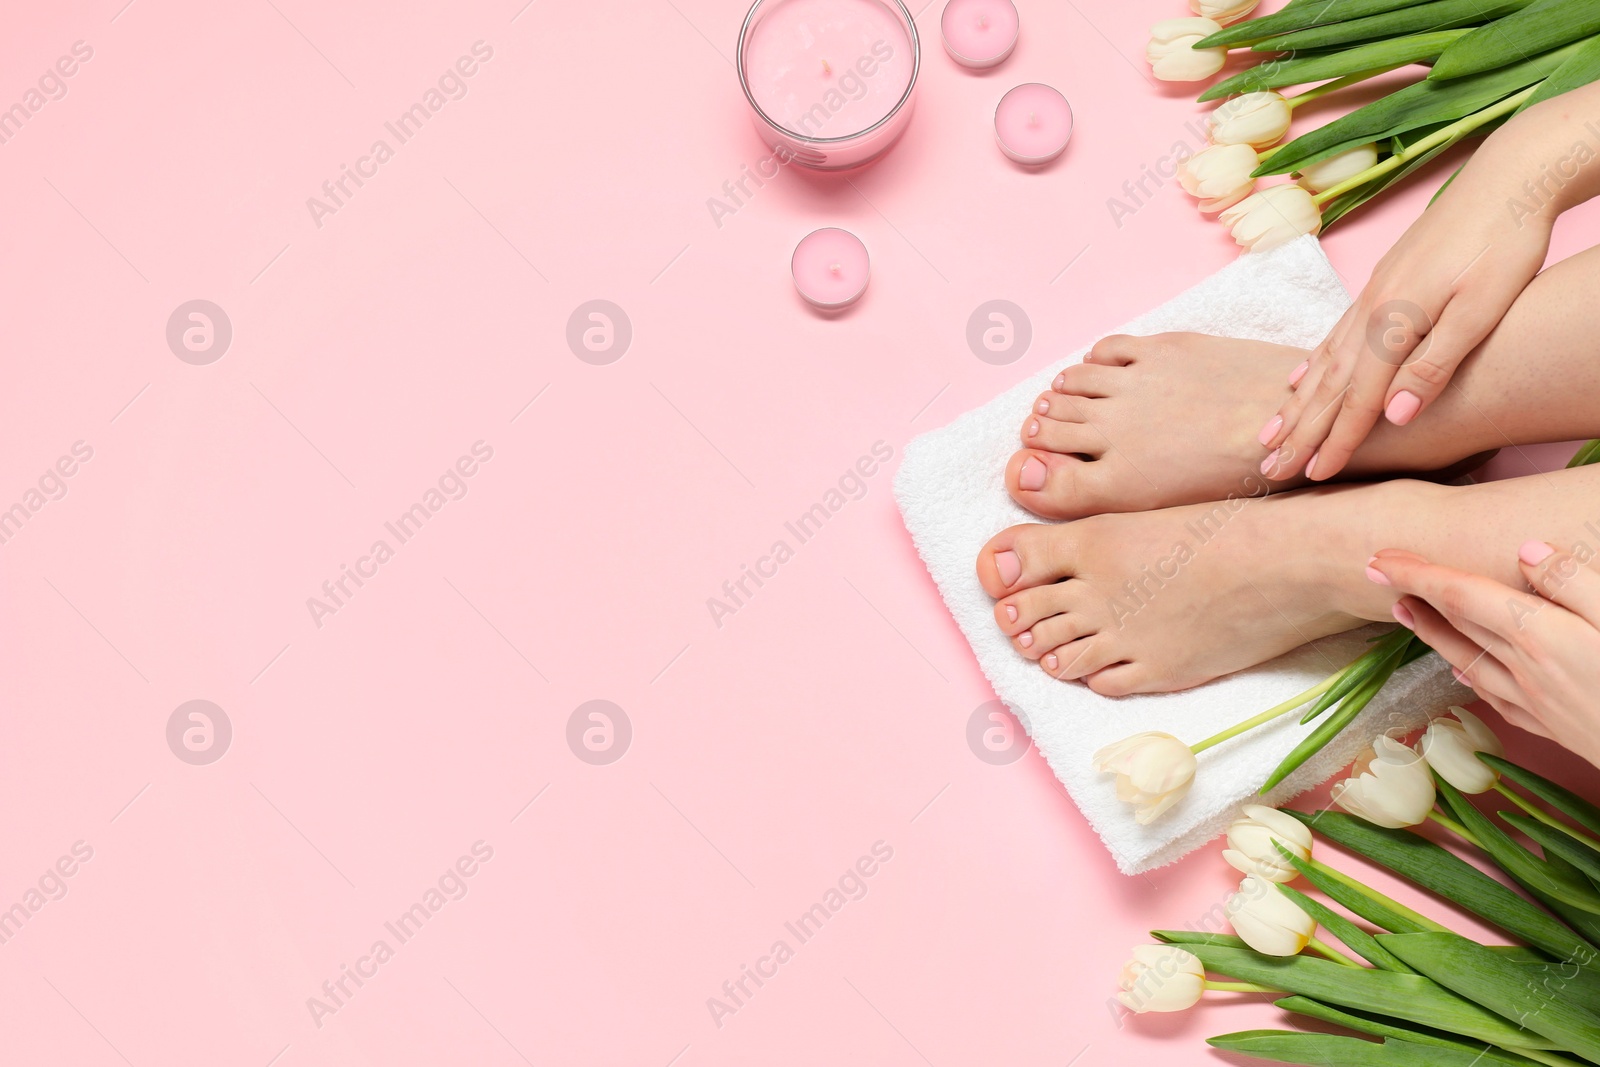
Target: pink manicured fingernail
1374	574
1051	663
1403	408
1270	430
1404	617
1298	373
1042	407
1025	639
1311	465
1031	476
1460	677
1011	612
1270	462
1033	428
1060	383
1009	566
1534	553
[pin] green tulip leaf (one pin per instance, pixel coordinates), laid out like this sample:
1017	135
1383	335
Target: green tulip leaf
1198	937
1551	840
1586	455
1300	70
1559	797
1353	937
1559	1001
1376	1025
1299	17
1442	872
1437	15
1342	891
1538	28
1528	870
1581	67
1332	1050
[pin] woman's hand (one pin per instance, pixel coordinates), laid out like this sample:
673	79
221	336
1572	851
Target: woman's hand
1431	300
1535	657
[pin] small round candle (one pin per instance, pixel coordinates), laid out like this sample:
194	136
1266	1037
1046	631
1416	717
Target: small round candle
979	33
1033	123
831	268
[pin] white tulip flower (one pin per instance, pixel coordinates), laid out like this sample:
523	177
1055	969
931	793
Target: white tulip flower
1276	215
1223	11
1162	978
1219	175
1390	786
1335	169
1267	920
1154	771
1259	119
1251	842
1172	55
1451	747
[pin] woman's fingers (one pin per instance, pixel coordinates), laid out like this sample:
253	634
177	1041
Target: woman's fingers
1474	665
1483	602
1563	579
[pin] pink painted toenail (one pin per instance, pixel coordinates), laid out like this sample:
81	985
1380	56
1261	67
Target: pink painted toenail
1403	616
1025	639
1270	430
1032	475
1534	553
1011	612
1042	407
1009	566
1403	408
1270	462
1051	663
1060	384
1033	428
1298	373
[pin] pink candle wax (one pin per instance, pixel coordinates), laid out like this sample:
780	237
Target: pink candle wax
831	268
979	33
825	69
1033	123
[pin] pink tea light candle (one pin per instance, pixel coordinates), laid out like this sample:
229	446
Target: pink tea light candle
979	33
830	82
1033	124
831	268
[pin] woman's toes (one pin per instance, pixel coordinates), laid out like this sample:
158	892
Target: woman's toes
1060	407
1056	485
1077	659
1052	633
1120	680
1085	380
1023	557
1064	438
1117	350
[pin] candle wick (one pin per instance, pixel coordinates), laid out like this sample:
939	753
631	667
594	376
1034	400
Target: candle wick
1033	118
983	21
826	70
835	268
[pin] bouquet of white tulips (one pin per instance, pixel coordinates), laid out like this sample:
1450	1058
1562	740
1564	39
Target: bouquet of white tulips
1487	60
1410	991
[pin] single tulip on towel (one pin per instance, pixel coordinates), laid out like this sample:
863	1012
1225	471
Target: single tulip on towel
1274	216
1451	747
1172	55
1391	786
1162	978
1154	771
1252	843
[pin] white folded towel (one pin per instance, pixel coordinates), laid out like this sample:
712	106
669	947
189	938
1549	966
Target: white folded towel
951	493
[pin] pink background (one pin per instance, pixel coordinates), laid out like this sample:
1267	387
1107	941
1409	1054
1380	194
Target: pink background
371	352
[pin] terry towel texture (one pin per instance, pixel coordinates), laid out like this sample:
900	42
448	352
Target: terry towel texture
953	499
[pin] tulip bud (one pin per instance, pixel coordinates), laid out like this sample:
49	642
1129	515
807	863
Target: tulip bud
1260	119
1153	770
1335	169
1223	11
1172	55
1252	840
1162	978
1391	786
1267	920
1276	215
1219	175
1451	747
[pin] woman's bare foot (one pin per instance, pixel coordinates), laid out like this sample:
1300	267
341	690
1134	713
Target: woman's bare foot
1166	600
1176	419
1154	422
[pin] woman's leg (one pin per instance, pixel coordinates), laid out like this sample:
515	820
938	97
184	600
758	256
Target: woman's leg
1160	421
1170	599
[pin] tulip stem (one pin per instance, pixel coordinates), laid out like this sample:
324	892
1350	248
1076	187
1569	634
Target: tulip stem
1292	704
1454	827
1329	952
1537	1056
1539	813
1446	135
1240	987
1373	895
1334	86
